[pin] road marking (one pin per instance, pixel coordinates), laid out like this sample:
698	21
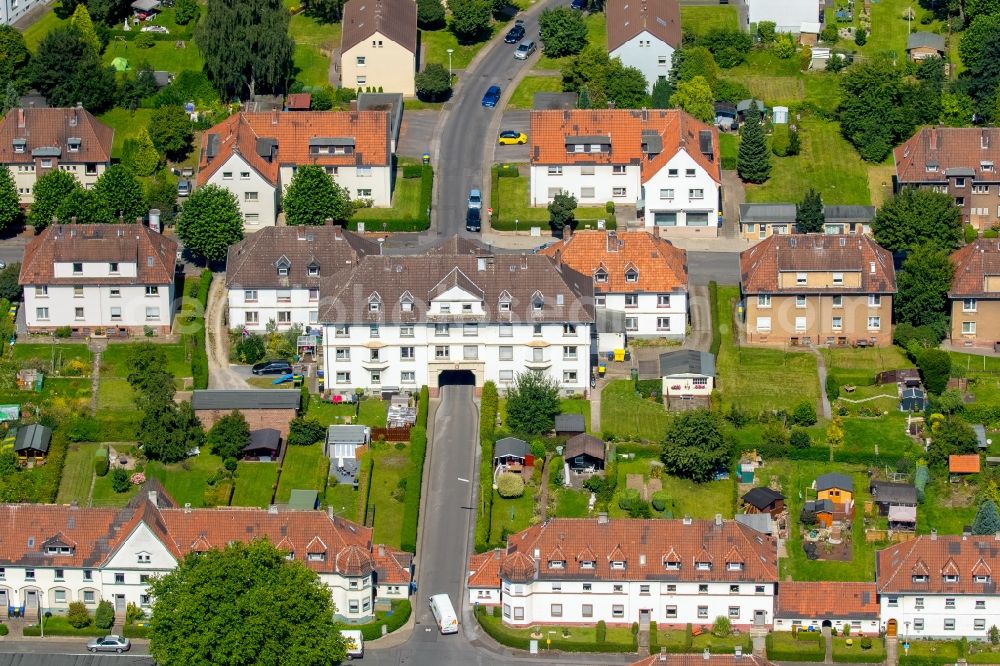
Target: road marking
463	480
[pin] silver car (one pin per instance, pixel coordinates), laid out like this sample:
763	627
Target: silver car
112	643
524	50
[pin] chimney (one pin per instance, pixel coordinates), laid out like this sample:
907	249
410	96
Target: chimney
381	550
329	512
187	507
996	537
656	231
567	232
718	520
328	221
707	654
74	116
152	495
933	534
20	118
933	138
687	520
272	509
602	519
663	654
274	117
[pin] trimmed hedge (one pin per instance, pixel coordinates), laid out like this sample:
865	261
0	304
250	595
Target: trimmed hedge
400	614
137	631
489	404
501	634
368	465
199	355
860	657
101	464
713	300
423	406
58	625
805	648
3	630
421	222
832	388
411	509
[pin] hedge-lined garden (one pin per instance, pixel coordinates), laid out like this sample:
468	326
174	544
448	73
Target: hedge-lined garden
579	639
418	453
800	646
489	403
379	219
392	620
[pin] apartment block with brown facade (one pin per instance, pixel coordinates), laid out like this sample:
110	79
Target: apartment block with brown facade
963	162
817	289
975	294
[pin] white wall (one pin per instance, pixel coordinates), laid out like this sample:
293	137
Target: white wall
484	596
934	611
302	306
358	181
683	200
97	302
687	387
647	315
788	15
14	10
603	181
231	177
653	60
858	627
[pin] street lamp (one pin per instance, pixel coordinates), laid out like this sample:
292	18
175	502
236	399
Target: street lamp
450	51
515	225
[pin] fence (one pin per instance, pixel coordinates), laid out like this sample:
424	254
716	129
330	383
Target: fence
391	434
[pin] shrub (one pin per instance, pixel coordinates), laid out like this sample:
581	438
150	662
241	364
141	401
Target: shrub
119	480
804	414
628	497
413	171
660	499
78	616
780	140
722	627
230	464
510	485
411	509
3	630
846	630
800	438
635	628
250	349
832	388
935	368
609	207
104	617
63	332
866	643
602	631
101	462
304	431
713	297
654	646
688	637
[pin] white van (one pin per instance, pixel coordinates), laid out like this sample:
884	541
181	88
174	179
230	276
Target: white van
444	614
355	643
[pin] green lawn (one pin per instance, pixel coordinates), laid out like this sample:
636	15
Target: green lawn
674	640
849	653
78	472
859	366
577	406
312	68
104	495
314	42
701	19
187	480
785	642
391	465
524	94
597	33
254	483
304	468
827	164
628	416
700	500
343	499
437	42
162	56
759	379
946	651
405	202
947	507
373	412
115	394
48	357
36	31
888	433
127	124
571	503
512	515
510	200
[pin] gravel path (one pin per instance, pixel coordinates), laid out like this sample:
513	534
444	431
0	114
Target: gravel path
220	375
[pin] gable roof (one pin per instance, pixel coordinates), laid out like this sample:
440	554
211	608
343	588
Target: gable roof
264	438
687	361
511	446
646	138
484	569
153	254
628	19
762	264
34	437
885	492
245	399
347	434
252	262
929	556
927	40
840	214
964	464
49	131
973	264
834	480
570	423
946	149
767	213
833	600
267	140
661	266
584	444
761	497
393	19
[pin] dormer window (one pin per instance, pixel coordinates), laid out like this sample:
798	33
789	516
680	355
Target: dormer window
703	566
290	555
313	270
373	306
931	167
587	564
143	558
58	550
77	268
504	306
919	578
20	145
982	579
283	271
734	566
618	565
283	265
600	275
73	145
631	275
406	305
316	557
557	564
951	578
672	565
374	302
537	301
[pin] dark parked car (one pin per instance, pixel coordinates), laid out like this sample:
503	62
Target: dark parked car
272	368
515	34
492	97
473	220
579	4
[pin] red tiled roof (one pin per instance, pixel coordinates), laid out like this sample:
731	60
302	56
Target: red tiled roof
973	263
675	130
934	557
298	101
963	150
393	19
833	600
662	267
53	128
963	464
761	265
630	18
155	255
251	134
484	569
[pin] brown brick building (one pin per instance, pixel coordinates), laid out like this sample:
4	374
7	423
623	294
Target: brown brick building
262	408
975	294
814	289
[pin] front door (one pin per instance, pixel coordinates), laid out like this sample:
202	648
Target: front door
644	617
30	601
759	617
119	603
4	604
890	628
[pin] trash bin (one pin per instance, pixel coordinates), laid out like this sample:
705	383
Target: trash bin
426	158
635	375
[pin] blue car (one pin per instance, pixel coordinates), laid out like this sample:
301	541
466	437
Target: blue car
492	97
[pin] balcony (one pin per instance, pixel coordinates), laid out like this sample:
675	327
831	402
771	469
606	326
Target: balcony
540	363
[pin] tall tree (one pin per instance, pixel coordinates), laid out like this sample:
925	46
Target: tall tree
625	86
215	606
952	437
229	435
68	71
695	446
430	14
916	216
171	131
432	83
10	208
313	196
922	288
121	193
662	90
82	22
695	97
561	212
83	207
14	58
327	11
980	32
753	162
730	46
246	46
809	217
210	222
186	11
49	193
532	403
874	115
987	521
109	12
139	154
562	31
470	19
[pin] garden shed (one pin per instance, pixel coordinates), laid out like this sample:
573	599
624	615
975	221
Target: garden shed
264	445
569	425
585	453
912	399
342	442
32	441
512	451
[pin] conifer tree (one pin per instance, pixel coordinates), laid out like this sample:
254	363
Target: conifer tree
809	217
753	162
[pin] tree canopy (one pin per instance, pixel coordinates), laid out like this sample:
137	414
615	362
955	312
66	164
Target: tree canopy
245	604
753	162
430	14
246	46
952	437
922	288
601	80
987	520
695	97
120	194
229	435
210	222
10	208
470	19
562	31
660	97
916	216
313	196
82	21
695	446
874	113
561	211
327	11
809	217
50	191
171	131
532	403
433	83
68	71
14	58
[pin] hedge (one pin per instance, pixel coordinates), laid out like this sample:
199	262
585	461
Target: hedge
3	630
832	388
489	404
199	355
58	625
713	300
368	465
423	406
400	614
804	649
47	477
411	509
495	628
654	638
860	657
137	631
420	223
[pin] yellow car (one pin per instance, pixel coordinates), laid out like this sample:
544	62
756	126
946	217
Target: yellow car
512	138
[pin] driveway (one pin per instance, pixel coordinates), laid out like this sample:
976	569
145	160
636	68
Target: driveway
220	374
733	194
417	132
517	121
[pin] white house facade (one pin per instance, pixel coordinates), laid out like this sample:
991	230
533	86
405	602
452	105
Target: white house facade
402	322
787	15
274	276
644	35
664	162
13	10
673	572
257	197
115	278
811	606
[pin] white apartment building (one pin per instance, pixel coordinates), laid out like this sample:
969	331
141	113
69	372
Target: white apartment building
456	313
787	15
255	155
637	275
36	141
939	587
810	606
664	162
644	34
580	571
61	554
115	278
274	275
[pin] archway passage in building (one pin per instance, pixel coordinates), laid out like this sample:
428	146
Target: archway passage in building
826	623
456	378
890	628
